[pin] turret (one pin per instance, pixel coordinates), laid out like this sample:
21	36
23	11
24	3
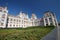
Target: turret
3	17
3	9
33	16
50	18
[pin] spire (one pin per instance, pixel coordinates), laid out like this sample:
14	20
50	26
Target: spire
33	16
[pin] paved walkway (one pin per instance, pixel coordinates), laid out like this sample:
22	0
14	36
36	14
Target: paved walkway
58	28
51	36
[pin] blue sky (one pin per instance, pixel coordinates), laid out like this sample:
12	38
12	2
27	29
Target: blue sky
32	6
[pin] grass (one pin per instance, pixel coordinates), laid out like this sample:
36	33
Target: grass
32	33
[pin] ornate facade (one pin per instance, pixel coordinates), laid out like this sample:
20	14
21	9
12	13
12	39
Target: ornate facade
22	20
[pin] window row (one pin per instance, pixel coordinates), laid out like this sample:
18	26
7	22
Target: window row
14	20
2	11
16	25
13	25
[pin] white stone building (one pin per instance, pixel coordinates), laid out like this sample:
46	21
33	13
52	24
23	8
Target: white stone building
22	20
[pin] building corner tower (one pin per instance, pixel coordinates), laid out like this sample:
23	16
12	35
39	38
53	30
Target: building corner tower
3	17
50	19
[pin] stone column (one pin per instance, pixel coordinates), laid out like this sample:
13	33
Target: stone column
53	21
48	21
56	22
44	22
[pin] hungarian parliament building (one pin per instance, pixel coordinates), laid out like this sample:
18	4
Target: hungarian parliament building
22	20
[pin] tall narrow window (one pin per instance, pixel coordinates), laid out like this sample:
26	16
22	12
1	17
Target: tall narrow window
4	11
10	25
1	24
50	19
14	19
11	19
3	16
0	10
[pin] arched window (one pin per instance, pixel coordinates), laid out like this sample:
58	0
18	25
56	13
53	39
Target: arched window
3	16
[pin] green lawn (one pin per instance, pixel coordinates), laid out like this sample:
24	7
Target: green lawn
33	33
